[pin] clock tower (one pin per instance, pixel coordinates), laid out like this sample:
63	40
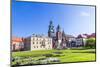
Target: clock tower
51	32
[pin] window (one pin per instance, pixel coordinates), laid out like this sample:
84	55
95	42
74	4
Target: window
13	47
44	40
40	42
33	42
34	46
49	46
41	46
37	42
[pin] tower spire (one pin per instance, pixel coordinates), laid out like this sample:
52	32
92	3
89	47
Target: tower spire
63	33
58	28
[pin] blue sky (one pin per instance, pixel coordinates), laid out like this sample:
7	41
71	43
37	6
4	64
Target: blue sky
30	17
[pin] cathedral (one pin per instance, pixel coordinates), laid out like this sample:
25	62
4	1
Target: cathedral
59	39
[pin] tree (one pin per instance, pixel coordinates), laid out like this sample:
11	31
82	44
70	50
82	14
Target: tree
90	43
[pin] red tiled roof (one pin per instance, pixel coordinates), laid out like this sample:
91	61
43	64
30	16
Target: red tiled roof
92	35
86	35
17	39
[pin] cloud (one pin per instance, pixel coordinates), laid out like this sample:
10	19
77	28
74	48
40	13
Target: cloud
84	14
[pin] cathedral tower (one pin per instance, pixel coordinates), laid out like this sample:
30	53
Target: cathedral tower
59	37
58	33
51	32
63	39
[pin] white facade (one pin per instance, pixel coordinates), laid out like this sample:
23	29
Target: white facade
18	46
39	43
81	41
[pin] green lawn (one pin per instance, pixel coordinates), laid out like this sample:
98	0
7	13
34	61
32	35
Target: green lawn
68	55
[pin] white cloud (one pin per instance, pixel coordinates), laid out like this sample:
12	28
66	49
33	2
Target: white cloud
84	14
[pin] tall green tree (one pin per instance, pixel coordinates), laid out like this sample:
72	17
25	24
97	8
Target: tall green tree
91	43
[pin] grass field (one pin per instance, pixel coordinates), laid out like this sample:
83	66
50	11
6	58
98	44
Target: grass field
65	56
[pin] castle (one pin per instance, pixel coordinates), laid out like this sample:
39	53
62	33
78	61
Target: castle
56	39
